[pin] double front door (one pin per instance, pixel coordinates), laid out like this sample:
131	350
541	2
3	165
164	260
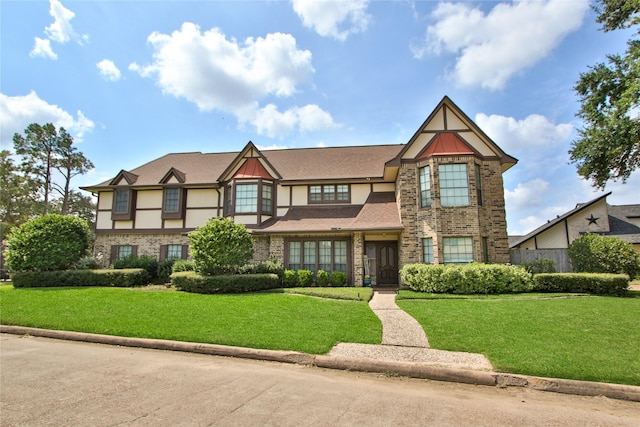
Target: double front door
383	258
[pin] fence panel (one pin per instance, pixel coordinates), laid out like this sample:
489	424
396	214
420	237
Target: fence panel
560	257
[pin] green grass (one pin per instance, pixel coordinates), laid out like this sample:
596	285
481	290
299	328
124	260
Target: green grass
585	338
355	294
261	320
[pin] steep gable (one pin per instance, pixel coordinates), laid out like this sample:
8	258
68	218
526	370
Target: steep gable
250	163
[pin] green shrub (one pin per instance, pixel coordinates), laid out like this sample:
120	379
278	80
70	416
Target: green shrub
305	278
65	278
592	253
289	279
165	268
339	279
220	246
322	278
190	281
474	278
592	283
539	266
143	261
88	262
48	243
271	265
183	265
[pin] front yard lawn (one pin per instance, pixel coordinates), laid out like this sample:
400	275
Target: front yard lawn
585	338
277	321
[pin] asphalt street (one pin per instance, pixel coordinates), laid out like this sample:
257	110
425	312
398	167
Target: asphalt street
63	383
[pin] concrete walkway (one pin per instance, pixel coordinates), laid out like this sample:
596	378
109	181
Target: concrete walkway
404	340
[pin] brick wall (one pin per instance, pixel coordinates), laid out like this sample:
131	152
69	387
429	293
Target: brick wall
148	244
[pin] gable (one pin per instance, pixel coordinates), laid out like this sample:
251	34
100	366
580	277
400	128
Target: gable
250	163
252	168
448	130
124	178
173	176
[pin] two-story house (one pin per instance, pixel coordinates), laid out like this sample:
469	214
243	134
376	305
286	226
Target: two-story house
439	198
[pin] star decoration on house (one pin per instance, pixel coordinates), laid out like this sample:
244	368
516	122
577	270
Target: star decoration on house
593	220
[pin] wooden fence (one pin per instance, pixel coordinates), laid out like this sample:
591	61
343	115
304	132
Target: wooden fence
560	257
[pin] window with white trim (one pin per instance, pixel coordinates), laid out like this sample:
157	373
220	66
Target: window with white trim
425	187
329	193
427	250
457	250
454	185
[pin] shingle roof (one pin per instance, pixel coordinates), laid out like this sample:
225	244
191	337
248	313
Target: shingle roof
326	163
380	212
620	226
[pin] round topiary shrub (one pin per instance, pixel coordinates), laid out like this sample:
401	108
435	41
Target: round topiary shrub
48	243
220	247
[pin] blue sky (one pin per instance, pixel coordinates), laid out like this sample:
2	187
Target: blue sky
134	80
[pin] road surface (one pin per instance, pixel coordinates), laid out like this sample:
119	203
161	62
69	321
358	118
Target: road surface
64	383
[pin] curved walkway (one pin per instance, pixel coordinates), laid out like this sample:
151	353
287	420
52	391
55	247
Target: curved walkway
404	340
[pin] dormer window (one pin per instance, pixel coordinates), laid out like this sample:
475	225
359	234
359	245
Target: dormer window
172	203
249	198
123	200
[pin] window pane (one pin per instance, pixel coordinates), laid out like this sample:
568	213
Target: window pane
329	193
247	198
454	189
227	200
343	192
124	251
267	198
324	255
457	250
425	187
294	255
171	199
309	256
174	251
122	201
479	185
315	193
340	256
427	250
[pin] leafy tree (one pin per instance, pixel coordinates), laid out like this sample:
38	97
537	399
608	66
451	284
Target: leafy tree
70	163
592	253
220	246
18	193
608	147
48	243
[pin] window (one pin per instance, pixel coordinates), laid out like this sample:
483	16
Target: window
457	250
228	206
329	193
124	251
425	187
485	250
174	251
123	204
479	184
427	250
171	199
454	187
246	198
122	201
328	255
267	198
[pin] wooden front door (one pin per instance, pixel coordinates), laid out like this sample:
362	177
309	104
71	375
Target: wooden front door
387	263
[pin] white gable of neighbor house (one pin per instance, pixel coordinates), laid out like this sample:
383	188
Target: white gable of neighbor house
447	119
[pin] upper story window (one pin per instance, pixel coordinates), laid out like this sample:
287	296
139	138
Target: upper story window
249	198
425	187
454	185
329	193
172	203
479	184
123	204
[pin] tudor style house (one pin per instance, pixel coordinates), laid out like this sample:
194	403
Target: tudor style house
364	210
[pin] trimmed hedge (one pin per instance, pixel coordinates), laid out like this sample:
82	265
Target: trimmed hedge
593	283
472	278
64	278
190	281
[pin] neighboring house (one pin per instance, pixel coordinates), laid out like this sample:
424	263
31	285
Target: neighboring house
595	216
439	198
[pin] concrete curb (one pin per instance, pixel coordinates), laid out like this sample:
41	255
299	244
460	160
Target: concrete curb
413	370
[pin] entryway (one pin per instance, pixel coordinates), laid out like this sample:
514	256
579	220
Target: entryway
382	262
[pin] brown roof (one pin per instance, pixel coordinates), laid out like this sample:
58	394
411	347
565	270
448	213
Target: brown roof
380	212
327	163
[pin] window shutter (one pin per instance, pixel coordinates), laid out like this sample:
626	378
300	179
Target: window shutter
163	252
185	251
134	250
114	253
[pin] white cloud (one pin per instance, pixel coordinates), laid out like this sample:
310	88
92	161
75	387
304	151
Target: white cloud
17	112
42	48
492	47
528	194
214	72
328	17
535	132
108	70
